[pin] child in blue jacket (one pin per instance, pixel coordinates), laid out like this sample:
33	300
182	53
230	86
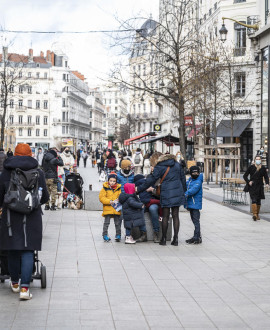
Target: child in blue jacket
194	195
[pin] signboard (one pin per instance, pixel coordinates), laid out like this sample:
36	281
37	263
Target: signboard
67	142
188	120
157	128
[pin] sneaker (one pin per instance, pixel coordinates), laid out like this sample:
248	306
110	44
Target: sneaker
129	240
106	238
47	207
25	294
15	287
117	238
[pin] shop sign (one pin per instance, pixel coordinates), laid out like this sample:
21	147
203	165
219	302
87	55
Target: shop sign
67	142
188	120
157	128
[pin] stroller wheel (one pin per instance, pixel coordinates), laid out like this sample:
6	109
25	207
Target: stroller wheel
43	277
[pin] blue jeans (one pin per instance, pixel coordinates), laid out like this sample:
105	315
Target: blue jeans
142	228
195	217
153	210
21	262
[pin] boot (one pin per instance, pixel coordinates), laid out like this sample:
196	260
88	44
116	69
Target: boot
258	211
47	207
163	240
53	207
155	237
175	241
254	211
143	237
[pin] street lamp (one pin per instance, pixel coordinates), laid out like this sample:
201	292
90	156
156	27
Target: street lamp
223	33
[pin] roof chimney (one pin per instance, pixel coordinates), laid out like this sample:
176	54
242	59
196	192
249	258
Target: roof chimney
52	58
48	56
41	54
30	59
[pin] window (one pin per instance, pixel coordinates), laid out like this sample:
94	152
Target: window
37	120
20	119
29	104
139	107
144	107
29	119
45	132
11	119
134	107
64	76
266	11
91	114
63	129
240	84
45	75
63	116
64	103
66	64
240	39
45	104
45	120
20	89
20	131
29	74
210	11
215	6
116	101
115	115
11	89
29	132
144	127
37	132
37	104
11	104
115	108
37	75
151	107
20	104
150	126
204	17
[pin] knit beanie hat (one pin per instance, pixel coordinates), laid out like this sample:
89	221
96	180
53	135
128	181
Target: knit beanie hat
125	163
112	175
194	169
23	149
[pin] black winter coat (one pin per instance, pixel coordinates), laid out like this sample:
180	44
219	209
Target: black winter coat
145	196
174	185
2	159
49	165
132	210
33	220
256	191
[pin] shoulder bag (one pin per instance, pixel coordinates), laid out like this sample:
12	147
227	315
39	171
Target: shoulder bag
157	193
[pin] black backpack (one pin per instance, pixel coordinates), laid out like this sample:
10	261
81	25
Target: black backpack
22	195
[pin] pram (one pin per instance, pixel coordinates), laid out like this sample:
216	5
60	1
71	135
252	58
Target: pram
73	186
39	270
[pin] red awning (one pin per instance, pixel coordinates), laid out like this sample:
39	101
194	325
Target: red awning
191	134
127	142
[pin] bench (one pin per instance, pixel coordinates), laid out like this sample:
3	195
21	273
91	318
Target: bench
91	201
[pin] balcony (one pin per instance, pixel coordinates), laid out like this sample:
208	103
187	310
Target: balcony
21	125
240	51
21	109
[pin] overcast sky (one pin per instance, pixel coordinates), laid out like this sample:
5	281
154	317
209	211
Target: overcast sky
88	53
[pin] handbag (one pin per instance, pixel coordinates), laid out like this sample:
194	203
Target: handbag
158	189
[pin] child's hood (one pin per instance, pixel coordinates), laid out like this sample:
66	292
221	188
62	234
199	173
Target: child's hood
129	188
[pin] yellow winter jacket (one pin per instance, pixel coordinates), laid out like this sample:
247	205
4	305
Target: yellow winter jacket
106	195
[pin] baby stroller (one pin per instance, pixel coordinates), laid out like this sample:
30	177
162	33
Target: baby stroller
39	270
73	186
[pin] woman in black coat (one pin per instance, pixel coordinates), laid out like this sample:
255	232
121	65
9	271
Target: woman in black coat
254	178
24	239
172	194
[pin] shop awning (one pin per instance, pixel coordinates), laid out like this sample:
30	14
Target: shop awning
168	139
128	141
239	125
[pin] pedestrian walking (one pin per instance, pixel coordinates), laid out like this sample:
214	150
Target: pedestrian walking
3	157
9	152
68	160
93	159
138	161
194	195
84	157
21	234
50	164
109	196
151	203
146	165
110	164
254	176
39	156
172	192
133	213
78	157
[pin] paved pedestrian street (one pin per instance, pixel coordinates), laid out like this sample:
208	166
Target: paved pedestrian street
222	283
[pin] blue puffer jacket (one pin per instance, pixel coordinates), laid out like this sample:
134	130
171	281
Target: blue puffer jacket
132	210
194	193
174	185
123	178
145	196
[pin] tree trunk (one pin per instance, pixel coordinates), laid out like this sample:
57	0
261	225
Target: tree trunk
181	129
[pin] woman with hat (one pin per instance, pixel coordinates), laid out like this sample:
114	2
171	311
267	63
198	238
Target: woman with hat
21	244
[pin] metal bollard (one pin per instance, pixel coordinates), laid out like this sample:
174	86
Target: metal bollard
90	187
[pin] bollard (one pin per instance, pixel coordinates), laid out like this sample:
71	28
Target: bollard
90	187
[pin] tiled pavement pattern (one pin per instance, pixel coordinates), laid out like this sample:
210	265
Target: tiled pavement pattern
223	283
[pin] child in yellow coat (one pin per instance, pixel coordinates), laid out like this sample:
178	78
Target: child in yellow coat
108	196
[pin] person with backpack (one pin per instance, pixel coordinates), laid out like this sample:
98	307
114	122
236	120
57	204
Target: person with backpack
111	163
21	224
138	162
3	157
50	164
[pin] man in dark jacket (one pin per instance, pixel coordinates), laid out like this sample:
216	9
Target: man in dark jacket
50	163
9	153
21	243
2	159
